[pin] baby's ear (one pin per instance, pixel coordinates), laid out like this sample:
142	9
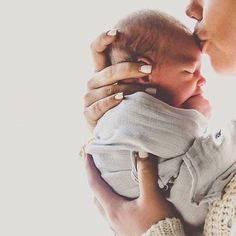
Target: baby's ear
145	60
146	79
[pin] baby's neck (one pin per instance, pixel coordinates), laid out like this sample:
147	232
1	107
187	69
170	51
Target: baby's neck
164	96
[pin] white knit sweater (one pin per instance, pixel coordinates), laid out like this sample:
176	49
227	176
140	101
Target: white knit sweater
220	219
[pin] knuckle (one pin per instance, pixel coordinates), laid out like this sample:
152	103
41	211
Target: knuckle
146	166
90	84
144	171
88	114
85	112
98	107
128	67
102	36
89	117
109	102
109	72
87	97
98	43
110	90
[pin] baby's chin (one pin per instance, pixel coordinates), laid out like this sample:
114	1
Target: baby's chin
199	103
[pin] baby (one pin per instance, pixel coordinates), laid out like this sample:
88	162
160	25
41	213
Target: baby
194	164
158	39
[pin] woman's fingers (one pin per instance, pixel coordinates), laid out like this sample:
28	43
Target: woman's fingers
96	94
95	111
115	73
99	46
102	191
147	175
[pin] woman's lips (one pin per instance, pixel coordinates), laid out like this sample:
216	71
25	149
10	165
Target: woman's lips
201	36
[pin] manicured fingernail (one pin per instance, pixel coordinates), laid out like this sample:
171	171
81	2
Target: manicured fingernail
143	155
112	32
151	91
119	96
147	69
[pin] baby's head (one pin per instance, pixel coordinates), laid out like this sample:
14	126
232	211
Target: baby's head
158	39
147	33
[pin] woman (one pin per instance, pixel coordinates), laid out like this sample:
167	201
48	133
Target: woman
151	213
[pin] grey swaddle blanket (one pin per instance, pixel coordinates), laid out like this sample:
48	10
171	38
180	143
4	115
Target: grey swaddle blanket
177	137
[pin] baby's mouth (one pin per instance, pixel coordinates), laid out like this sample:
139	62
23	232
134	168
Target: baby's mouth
198	92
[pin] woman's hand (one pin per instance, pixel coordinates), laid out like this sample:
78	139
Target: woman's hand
104	91
130	217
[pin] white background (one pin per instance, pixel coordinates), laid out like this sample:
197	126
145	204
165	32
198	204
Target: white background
44	64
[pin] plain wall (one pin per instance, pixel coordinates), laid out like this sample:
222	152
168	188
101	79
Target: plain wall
44	65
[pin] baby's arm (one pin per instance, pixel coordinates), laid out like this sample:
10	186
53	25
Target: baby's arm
200	104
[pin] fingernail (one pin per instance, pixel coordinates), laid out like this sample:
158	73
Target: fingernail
119	96
147	69
143	155
151	91
112	32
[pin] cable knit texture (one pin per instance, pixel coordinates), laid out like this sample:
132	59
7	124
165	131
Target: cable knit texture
167	227
221	214
220	219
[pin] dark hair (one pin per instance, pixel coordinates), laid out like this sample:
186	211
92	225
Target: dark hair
145	33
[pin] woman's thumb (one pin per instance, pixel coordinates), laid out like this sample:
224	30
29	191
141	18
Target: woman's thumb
147	176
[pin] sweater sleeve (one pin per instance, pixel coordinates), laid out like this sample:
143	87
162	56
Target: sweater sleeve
167	227
220	219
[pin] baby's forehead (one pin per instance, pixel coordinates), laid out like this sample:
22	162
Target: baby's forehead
184	48
178	43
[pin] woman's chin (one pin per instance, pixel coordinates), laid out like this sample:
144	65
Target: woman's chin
223	65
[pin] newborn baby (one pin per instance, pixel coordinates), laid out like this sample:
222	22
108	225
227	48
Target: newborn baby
172	124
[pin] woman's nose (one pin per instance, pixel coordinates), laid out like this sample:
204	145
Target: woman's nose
194	10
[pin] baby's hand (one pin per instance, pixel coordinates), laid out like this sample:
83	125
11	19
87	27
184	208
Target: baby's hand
200	104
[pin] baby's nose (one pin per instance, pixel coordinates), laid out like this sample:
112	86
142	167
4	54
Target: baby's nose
201	81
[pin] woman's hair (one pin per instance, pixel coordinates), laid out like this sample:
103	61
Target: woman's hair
145	33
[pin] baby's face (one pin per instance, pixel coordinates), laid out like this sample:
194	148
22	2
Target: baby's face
179	77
